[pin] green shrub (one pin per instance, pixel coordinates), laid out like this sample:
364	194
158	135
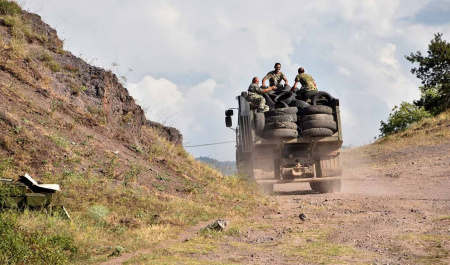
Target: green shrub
118	251
18	246
18	49
54	66
431	100
12	248
55	105
44	56
5	164
11	21
99	213
9	8
6	191
401	117
76	90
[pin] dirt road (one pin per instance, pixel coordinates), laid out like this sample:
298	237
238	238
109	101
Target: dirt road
394	208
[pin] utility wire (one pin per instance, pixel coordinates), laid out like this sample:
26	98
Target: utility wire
211	144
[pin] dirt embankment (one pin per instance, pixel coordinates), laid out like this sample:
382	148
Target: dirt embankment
49	96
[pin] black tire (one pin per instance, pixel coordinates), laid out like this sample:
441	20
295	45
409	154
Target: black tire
309	94
282	118
316	132
269	101
319	124
321	95
260	122
281	105
323	102
287	88
315	110
282	111
314	186
324	187
314	117
335	186
280	125
281	134
285	97
299	103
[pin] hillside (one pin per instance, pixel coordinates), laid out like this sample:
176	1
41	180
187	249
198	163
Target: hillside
126	181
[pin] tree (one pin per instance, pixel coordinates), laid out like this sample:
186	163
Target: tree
434	71
401	117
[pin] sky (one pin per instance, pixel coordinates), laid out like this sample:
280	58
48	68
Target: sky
191	58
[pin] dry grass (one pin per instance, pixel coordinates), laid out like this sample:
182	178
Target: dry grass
432	246
108	213
429	131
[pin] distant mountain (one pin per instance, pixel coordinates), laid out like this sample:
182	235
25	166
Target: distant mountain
226	167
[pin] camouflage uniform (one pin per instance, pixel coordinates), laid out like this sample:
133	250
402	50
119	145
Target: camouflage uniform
306	80
275	79
255	97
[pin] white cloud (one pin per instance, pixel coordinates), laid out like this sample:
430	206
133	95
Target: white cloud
194	111
168	16
387	55
160	97
344	71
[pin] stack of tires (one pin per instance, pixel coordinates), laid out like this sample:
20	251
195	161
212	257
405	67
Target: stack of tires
292	115
316	121
281	123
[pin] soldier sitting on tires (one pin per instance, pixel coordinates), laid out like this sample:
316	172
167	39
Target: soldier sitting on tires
275	77
255	96
307	82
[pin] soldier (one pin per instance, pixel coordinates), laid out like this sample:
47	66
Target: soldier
255	95
275	78
305	80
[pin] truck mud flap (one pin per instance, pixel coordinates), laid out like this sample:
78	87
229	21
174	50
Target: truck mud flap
263	163
330	166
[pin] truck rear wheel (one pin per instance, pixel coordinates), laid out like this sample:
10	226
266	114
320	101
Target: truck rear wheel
324	187
335	186
314	186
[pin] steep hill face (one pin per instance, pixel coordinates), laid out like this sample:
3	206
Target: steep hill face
51	98
37	59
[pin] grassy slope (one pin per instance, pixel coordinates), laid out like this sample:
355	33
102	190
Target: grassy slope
147	192
427	132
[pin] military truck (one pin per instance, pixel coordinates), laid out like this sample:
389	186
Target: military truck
271	159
